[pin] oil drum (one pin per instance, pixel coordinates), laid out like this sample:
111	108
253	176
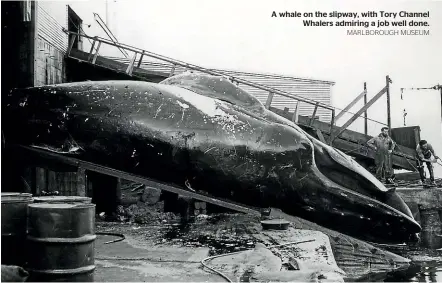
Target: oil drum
14	218
62	199
61	242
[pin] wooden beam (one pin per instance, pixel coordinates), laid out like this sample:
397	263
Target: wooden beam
141	60
131	64
92	50
332	125
388	81
172	71
365	112
71	43
350	105
34	33
96	53
269	100
355	116
43	154
314	113
320	135
296	114
81	182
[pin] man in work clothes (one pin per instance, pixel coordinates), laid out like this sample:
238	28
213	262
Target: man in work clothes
384	147
425	153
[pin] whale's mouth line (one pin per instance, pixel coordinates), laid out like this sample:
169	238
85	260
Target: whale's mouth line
334	185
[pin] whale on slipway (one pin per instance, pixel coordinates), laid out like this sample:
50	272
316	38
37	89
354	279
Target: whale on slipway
208	133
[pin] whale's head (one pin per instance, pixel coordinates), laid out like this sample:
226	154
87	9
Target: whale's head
334	183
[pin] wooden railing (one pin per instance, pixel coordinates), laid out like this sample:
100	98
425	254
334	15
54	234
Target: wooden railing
140	54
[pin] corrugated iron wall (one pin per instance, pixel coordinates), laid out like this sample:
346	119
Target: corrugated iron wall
51	46
316	90
50	29
312	89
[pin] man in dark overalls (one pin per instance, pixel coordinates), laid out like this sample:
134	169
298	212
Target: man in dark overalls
384	147
425	153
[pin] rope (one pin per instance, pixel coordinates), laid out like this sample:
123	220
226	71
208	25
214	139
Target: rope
415	169
122	237
360	116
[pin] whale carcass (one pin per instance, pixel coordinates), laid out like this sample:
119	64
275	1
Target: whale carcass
206	132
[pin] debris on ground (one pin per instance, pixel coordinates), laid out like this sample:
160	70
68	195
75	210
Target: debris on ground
13	273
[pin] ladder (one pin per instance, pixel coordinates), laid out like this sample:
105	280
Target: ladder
139	54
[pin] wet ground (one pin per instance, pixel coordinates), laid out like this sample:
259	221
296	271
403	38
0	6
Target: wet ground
167	250
426	266
159	247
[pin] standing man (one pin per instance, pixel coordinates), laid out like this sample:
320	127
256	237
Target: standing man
425	153
384	147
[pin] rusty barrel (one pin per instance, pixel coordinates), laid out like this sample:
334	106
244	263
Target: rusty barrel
14	218
62	199
61	242
431	228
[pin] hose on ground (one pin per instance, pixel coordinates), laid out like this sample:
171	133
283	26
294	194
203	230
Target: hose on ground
121	237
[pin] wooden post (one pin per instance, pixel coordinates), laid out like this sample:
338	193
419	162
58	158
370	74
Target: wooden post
172	71
295	115
355	116
131	65
365	113
141	59
314	113
71	43
33	35
96	53
388	81
81	182
440	88
332	124
92	50
269	100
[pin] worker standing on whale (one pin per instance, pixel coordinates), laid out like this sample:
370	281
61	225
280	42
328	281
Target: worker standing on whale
384	146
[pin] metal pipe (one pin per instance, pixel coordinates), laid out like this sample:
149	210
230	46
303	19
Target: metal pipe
388	81
365	113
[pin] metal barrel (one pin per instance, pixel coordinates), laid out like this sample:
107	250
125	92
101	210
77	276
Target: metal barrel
14	218
61	242
62	199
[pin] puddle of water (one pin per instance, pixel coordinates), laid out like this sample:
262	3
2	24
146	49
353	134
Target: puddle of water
418	272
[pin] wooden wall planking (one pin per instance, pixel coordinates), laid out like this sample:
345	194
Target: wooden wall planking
66	183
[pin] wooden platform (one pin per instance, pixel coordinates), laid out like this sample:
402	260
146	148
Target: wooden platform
351	142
